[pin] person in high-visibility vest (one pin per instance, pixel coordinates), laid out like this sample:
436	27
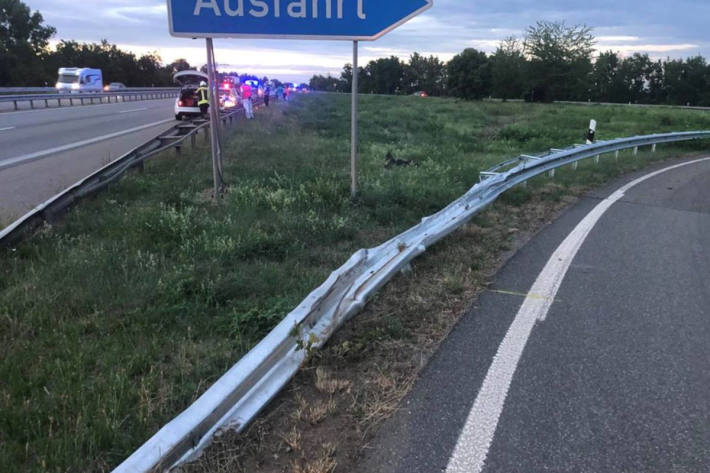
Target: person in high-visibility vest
203	98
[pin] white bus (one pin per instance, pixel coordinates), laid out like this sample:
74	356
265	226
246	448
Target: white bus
77	80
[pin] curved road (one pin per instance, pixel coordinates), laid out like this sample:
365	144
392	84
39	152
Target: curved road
44	151
603	367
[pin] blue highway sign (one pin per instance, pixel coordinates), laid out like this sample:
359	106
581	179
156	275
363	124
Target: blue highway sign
291	19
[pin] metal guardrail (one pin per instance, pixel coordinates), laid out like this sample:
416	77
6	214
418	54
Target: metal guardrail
127	95
237	398
175	137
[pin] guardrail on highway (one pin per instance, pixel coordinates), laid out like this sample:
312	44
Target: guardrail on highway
237	398
127	95
175	137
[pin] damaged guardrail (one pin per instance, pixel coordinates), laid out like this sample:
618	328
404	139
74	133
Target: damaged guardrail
176	138
238	397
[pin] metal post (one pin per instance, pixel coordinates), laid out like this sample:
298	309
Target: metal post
214	121
354	129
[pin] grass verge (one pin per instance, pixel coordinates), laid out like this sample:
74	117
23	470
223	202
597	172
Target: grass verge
117	319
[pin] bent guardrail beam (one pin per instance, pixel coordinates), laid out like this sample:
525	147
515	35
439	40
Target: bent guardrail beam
238	397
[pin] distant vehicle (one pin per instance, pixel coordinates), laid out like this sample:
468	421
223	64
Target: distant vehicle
421	93
114	86
186	103
77	80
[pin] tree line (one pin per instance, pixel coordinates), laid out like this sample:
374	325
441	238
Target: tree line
553	61
27	60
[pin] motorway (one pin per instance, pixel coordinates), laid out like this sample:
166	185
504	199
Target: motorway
44	151
590	352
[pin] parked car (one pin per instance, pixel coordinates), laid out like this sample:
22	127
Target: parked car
186	102
77	80
420	94
114	86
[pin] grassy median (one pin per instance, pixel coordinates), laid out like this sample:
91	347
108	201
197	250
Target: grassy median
116	319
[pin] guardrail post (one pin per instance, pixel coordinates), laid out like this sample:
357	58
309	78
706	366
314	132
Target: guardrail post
15	103
616	155
653	148
59	102
32	103
575	165
636	150
46	103
193	140
551	173
596	159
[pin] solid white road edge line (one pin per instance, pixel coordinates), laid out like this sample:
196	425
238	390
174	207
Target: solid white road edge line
134	110
7	163
471	450
7	128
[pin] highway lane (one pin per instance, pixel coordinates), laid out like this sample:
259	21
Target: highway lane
44	151
31	131
612	376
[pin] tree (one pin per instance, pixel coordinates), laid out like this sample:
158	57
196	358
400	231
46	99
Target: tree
607	79
179	65
469	75
427	74
23	43
560	60
383	76
509	70
686	81
324	83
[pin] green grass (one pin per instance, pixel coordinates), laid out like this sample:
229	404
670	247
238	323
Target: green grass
114	321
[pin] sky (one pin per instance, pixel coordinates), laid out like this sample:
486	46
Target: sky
661	28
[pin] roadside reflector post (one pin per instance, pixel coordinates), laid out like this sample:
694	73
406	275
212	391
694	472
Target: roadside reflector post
214	121
596	159
575	165
636	150
354	128
653	148
616	155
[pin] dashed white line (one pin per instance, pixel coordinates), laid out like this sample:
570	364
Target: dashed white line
477	435
135	110
7	128
7	163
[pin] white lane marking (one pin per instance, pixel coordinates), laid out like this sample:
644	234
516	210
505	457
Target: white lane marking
7	128
475	440
134	110
7	163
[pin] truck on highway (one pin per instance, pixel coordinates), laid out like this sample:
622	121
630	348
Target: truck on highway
77	80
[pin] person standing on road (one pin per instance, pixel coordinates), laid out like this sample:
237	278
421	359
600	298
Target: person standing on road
246	101
203	98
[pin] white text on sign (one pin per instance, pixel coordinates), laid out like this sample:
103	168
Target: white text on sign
263	8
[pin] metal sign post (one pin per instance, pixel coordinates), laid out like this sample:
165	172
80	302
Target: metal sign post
354	128
214	121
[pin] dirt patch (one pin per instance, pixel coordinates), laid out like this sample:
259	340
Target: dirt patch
324	420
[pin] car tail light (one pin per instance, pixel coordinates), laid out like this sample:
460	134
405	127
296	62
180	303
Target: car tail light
180	103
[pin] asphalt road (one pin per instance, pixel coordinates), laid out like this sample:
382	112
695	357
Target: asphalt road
613	377
44	151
